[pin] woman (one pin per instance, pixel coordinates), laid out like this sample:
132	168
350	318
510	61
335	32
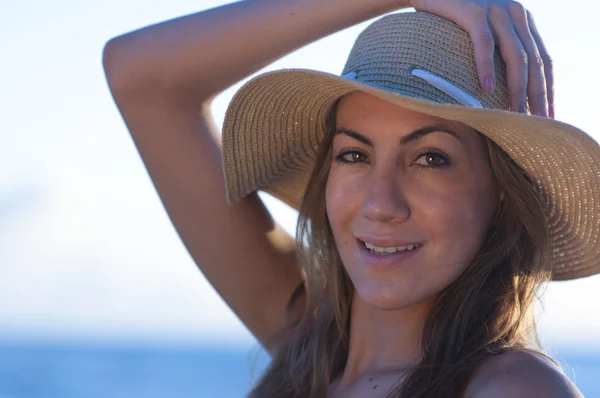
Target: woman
449	314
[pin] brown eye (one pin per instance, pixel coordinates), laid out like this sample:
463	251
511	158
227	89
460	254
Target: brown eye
431	159
352	157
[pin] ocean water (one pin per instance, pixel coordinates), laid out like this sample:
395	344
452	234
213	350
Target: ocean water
118	370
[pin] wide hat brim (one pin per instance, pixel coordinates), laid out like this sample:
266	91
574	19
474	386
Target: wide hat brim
275	123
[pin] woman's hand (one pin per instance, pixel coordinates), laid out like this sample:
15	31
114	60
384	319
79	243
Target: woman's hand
507	24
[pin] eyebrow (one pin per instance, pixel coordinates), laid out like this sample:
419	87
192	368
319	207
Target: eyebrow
415	135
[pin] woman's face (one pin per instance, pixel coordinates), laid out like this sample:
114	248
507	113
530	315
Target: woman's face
400	178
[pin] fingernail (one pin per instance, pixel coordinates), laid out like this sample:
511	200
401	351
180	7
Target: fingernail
489	83
543	113
523	109
551	109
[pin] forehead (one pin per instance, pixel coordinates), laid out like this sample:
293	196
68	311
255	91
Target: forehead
369	114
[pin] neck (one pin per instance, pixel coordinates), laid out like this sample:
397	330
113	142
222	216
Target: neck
383	340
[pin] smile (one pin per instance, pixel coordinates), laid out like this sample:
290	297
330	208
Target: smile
390	250
382	258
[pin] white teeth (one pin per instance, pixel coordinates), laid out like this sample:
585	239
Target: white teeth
390	250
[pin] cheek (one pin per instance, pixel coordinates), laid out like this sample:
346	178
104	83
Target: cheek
334	205
457	222
342	201
333	199
340	197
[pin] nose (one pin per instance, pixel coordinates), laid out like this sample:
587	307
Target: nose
384	199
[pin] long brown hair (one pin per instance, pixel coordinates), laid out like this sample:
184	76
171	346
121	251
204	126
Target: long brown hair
485	312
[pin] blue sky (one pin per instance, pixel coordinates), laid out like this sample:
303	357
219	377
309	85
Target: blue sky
86	249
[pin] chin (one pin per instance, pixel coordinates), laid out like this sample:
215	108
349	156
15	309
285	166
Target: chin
386	296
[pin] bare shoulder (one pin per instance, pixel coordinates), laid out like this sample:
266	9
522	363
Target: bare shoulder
521	374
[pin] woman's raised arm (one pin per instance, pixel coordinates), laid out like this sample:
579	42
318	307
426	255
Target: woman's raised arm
163	78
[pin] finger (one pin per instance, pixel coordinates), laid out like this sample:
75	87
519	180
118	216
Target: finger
548	63
514	57
536	81
483	48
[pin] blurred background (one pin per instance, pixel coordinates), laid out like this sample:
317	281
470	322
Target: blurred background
98	296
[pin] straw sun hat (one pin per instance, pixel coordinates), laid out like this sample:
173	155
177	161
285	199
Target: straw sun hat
275	122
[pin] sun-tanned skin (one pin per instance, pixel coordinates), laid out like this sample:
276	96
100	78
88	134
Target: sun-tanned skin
163	79
436	190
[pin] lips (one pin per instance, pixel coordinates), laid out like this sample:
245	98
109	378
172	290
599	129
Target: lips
387	260
381	241
392	249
